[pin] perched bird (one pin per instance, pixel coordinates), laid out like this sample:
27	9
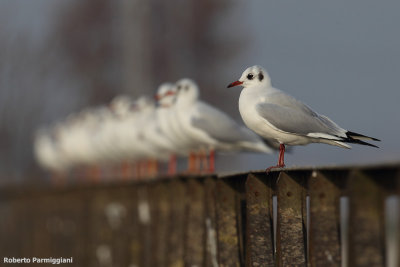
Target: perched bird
210	129
166	96
48	152
274	114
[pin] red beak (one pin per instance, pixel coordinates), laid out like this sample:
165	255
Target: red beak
169	93
235	84
158	97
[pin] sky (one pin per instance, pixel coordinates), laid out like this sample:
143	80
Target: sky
342	58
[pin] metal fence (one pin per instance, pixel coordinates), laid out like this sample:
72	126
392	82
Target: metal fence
290	218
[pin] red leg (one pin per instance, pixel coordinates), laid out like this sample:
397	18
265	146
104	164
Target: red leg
143	169
136	167
203	161
197	162
191	162
281	155
281	160
125	170
211	168
151	168
156	167
172	165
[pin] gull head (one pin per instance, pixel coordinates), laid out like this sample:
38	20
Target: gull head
166	94
253	76
187	90
144	103
120	105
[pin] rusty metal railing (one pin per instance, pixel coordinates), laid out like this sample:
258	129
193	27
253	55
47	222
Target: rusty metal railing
288	218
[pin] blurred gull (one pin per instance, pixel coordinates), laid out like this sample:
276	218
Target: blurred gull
166	121
210	129
274	114
48	153
145	131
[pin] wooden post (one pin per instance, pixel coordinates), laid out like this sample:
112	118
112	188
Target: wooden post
144	208
259	245
324	221
18	218
228	240
43	225
118	212
366	240
195	232
211	253
133	228
162	213
291	243
177	223
100	233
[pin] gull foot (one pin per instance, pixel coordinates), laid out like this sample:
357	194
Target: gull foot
268	170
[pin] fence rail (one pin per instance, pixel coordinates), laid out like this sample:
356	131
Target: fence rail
288	218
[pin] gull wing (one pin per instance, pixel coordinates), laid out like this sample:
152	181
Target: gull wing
289	115
220	126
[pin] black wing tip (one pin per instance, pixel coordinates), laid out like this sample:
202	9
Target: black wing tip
352	138
351	135
356	141
368	144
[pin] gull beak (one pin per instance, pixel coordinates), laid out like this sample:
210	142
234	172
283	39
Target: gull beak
235	84
169	93
158	97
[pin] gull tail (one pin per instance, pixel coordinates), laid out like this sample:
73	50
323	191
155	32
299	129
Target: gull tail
356	138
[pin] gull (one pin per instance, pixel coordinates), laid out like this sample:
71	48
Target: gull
48	153
274	114
76	139
165	97
150	143
167	116
209	128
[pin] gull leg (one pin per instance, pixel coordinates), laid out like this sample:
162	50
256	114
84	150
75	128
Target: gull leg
125	170
191	162
142	169
137	169
197	162
150	168
211	168
172	165
281	160
281	156
203	161
156	167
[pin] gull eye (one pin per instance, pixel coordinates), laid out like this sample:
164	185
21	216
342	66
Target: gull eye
186	87
260	76
179	87
250	76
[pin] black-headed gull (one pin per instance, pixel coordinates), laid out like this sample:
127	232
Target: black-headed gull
48	153
166	96
209	128
274	114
